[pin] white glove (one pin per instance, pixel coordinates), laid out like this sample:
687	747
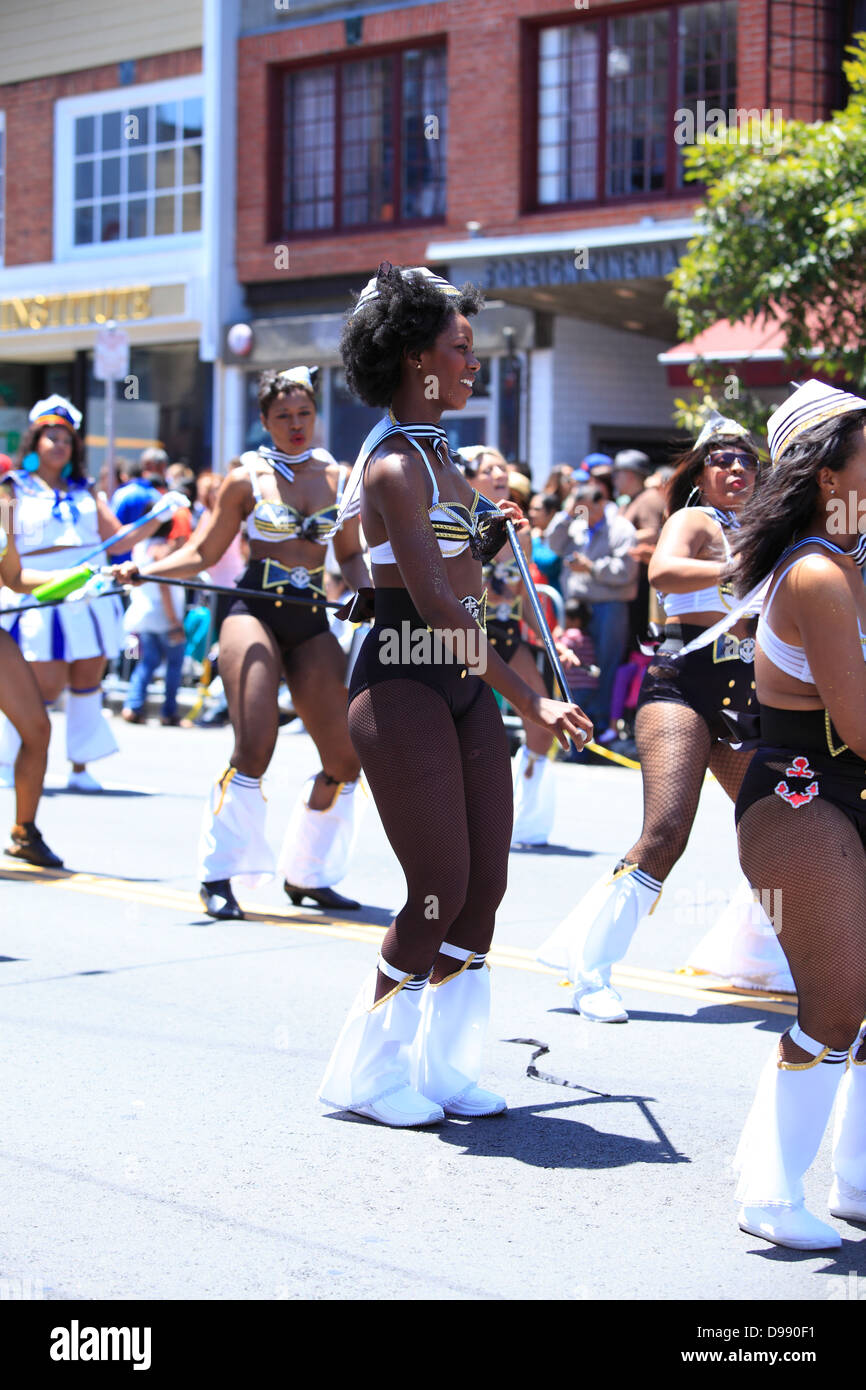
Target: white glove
172	502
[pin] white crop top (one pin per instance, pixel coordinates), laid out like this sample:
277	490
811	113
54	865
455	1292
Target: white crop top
712	599
790	658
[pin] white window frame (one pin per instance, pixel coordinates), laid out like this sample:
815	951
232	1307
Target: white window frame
4	162
66	112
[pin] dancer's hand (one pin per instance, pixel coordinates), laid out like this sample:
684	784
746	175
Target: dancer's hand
127	573
566	655
561	720
514	513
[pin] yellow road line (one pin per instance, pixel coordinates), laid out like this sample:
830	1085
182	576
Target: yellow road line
511	957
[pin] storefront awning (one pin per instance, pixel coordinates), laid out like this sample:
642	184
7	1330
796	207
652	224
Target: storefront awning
755	350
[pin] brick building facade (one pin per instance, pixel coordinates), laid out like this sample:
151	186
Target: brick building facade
562	196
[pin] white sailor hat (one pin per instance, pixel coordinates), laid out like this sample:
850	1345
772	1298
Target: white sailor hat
720	427
809	405
371	289
56	410
300	376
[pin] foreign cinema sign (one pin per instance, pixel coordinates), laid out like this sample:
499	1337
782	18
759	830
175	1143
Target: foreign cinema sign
75	308
650	262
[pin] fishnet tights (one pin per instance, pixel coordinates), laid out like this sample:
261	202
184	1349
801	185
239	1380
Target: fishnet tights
675	750
442	787
809	863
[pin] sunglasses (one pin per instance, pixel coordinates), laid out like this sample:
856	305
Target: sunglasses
726	458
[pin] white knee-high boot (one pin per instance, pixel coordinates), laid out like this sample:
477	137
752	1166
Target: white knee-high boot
318	845
370	1068
597	933
10	746
781	1138
742	946
534	798
233	842
446	1061
848	1193
89	735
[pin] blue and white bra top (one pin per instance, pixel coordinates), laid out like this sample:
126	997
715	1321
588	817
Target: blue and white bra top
713	599
454	524
277	521
786	655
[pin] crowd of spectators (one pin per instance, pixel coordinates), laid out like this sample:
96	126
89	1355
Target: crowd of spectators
594	529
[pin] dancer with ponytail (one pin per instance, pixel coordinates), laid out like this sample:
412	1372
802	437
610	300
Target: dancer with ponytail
680	730
424	721
285	496
801	811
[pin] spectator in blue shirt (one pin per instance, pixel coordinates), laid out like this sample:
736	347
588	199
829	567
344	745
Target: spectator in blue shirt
133	499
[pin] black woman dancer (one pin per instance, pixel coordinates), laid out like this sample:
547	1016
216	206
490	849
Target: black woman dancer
679	727
21	702
801	811
285	496
422	714
534	785
59	519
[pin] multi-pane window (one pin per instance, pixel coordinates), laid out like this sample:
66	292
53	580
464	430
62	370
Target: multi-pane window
365	142
137	172
608	93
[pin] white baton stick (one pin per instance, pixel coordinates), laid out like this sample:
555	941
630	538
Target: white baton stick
549	644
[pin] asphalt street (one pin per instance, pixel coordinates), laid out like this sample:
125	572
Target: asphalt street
161	1138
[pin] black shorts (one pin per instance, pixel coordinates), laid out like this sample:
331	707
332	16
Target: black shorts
290	623
504	636
389	638
714	678
801	757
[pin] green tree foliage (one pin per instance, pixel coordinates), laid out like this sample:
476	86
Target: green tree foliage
783	233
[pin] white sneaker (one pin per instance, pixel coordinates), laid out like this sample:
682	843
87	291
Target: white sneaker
846	1201
401	1109
7	774
83	782
792	1226
475	1101
599	1005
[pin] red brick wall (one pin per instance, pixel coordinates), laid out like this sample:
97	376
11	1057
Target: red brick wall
484	131
29	108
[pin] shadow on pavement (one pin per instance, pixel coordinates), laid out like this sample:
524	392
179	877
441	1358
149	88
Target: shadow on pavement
567	851
534	1135
850	1259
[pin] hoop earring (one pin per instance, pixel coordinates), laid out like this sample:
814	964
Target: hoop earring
30	462
695	492
66	470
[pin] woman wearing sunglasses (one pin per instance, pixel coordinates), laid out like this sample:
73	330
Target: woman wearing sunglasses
680	729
